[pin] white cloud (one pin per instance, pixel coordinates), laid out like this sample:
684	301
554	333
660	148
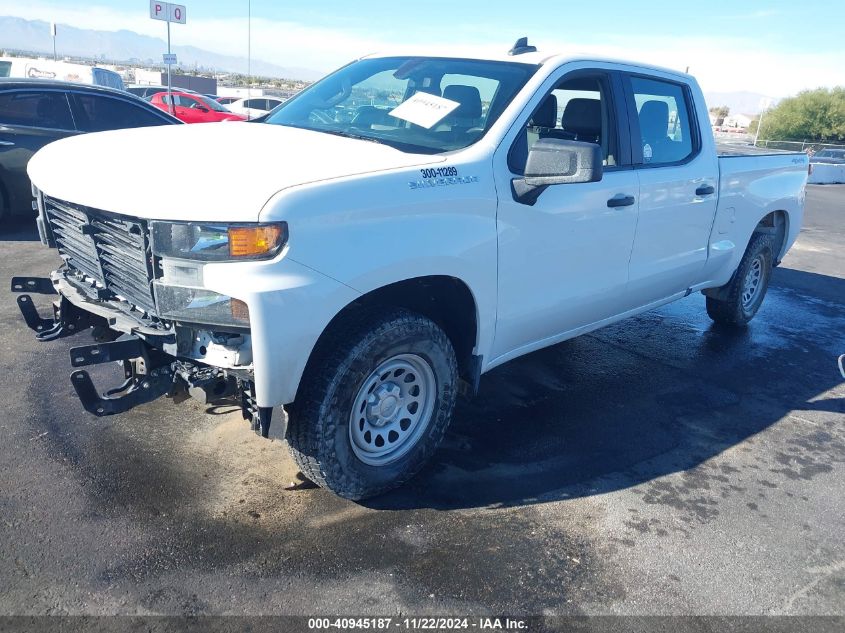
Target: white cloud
720	64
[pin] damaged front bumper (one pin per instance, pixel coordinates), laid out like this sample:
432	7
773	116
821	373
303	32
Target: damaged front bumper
156	361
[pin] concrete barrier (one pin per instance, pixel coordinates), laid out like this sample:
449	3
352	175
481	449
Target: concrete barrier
823	174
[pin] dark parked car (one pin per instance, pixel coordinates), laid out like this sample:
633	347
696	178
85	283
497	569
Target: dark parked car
34	112
829	156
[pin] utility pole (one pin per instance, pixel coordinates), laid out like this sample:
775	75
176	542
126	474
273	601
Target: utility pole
248	51
759	125
765	102
53	35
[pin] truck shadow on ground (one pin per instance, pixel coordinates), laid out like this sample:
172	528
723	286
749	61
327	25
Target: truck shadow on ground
653	395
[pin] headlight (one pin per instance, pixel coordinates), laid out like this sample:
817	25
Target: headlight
218	242
199	305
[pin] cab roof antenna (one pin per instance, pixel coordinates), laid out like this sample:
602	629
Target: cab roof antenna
521	47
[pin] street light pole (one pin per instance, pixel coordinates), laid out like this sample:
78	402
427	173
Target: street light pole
169	90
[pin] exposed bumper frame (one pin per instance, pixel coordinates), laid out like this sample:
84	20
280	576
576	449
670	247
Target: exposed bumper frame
149	372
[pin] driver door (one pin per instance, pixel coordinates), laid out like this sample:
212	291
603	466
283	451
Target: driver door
188	110
563	262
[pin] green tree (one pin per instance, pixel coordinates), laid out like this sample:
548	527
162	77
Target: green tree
810	115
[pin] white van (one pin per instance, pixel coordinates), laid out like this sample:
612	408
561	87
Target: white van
60	70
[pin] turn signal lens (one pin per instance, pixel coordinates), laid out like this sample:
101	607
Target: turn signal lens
251	241
240	311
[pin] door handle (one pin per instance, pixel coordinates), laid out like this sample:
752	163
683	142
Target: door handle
621	200
6	143
705	190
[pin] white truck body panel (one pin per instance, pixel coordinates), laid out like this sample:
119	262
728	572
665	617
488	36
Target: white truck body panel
537	274
194	190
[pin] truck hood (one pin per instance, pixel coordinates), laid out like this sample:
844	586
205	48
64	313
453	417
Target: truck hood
210	172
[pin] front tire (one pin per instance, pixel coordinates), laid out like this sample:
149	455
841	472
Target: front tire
745	292
374	402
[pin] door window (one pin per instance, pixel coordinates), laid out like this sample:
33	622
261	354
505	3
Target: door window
663	113
577	109
98	114
179	101
36	109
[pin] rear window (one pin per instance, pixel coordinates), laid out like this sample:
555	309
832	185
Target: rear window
665	126
108	78
36	109
5	69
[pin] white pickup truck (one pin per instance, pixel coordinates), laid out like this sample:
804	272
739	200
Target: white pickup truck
390	234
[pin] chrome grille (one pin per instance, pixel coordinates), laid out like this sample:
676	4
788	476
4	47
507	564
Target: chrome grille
112	250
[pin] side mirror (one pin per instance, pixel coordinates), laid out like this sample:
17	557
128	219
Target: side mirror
554	161
202	109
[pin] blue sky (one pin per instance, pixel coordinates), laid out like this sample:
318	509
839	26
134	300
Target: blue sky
767	47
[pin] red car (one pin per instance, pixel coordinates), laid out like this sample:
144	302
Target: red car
194	108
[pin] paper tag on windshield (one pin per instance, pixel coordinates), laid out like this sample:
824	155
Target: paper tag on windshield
424	109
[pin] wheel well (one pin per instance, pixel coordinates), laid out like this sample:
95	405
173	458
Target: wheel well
445	300
775	224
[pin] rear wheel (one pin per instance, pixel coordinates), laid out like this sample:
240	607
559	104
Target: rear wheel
374	403
746	291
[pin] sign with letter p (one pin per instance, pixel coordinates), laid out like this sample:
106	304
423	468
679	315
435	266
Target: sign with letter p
158	10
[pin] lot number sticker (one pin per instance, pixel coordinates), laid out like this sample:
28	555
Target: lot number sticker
424	109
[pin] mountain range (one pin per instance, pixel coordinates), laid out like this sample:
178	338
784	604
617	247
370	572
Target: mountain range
742	102
128	46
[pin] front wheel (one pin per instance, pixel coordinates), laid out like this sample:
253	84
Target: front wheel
746	291
374	402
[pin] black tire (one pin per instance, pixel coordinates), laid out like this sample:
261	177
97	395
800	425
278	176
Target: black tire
732	310
319	435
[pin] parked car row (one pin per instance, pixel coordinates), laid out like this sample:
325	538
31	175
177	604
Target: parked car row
254	107
190	106
193	107
35	112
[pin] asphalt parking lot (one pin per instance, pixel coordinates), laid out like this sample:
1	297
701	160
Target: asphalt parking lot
658	466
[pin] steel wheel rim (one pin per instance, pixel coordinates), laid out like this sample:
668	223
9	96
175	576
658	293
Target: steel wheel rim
753	284
392	409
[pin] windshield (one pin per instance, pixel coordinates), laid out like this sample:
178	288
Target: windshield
418	104
211	104
831	153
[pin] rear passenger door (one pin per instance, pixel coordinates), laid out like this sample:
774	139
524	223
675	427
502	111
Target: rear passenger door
99	113
29	120
563	261
678	184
